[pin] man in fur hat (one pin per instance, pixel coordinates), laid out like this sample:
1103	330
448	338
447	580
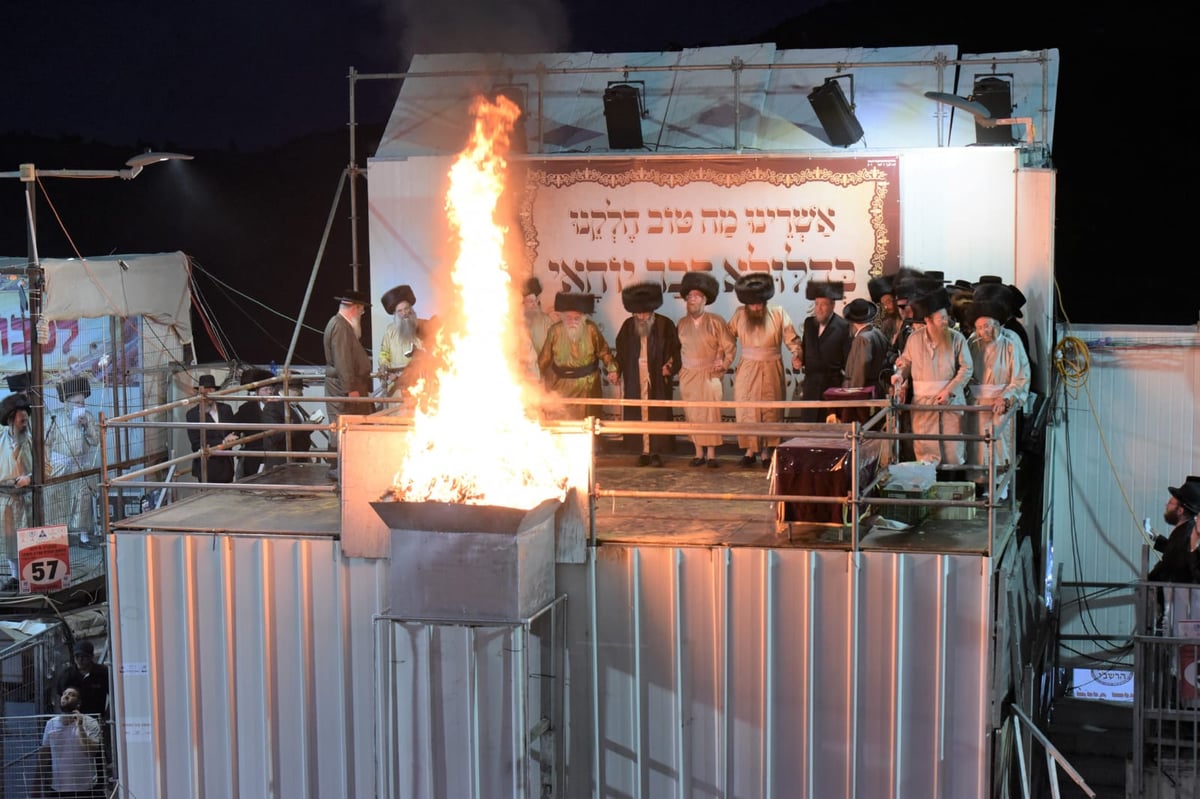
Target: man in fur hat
16	474
537	324
706	351
347	365
825	345
219	469
402	337
72	446
1000	380
761	329
1179	550
883	294
575	354
647	352
938	363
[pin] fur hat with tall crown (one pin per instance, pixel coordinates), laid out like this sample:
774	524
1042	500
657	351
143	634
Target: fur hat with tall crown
565	301
642	297
754	289
830	289
702	282
879	287
926	305
531	286
10	405
396	295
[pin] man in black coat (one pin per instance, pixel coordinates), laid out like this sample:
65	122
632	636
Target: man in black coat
826	341
220	469
1179	550
647	355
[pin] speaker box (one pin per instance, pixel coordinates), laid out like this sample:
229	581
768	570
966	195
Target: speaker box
995	94
834	112
623	116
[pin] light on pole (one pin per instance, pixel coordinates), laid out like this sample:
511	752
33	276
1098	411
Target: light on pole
29	175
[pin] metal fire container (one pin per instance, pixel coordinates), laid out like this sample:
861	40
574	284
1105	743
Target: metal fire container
469	562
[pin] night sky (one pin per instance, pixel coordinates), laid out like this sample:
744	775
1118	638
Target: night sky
258	93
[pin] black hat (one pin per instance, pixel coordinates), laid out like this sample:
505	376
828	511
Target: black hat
394	296
1018	300
207	381
531	286
928	304
253	374
1187	494
989	308
358	297
72	386
997	294
986	279
570	301
879	287
642	297
935	275
906	283
754	288
19	382
702	282
10	405
860	311
830	289
85	648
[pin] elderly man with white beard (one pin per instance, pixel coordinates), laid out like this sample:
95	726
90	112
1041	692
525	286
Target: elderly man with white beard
575	354
938	362
347	365
402	337
16	474
1000	379
761	329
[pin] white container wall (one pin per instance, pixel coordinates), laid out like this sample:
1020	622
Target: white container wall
730	672
246	666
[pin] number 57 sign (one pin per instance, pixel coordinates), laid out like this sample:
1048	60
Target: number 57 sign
44	558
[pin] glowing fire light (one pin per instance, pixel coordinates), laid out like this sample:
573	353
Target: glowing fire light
474	441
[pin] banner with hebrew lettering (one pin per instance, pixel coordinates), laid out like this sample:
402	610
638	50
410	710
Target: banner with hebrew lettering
595	226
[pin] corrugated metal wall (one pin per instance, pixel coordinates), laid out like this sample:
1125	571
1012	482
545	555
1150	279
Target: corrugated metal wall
735	673
1118	440
247	666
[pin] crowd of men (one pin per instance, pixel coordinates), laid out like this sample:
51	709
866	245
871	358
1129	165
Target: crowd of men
918	339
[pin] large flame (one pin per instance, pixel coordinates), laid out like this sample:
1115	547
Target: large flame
474	441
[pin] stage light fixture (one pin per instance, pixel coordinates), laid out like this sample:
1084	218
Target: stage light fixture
994	93
624	108
836	115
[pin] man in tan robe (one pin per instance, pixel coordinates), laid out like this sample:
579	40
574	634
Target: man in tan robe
706	351
761	329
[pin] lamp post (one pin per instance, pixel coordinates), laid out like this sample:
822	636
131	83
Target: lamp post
29	175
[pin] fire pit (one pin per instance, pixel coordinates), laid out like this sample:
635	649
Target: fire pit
469	562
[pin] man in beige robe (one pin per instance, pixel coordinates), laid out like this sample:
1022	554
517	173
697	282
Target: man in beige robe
761	329
706	352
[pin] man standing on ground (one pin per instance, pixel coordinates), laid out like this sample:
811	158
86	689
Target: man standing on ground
16	473
826	343
71	741
648	360
761	329
706	353
347	365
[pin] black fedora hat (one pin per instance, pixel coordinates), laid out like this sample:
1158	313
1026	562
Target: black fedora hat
358	297
1187	494
860	311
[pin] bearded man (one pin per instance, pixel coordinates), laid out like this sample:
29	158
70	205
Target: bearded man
706	353
1000	380
761	329
574	355
825	346
16	474
883	295
347	365
648	360
937	361
401	338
